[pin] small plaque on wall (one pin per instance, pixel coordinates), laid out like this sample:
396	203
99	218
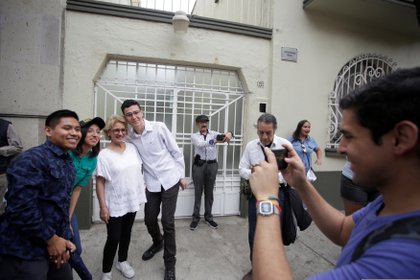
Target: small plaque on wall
289	54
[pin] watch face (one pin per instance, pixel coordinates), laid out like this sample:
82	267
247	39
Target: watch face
266	208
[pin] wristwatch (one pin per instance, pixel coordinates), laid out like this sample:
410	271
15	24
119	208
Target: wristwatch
267	208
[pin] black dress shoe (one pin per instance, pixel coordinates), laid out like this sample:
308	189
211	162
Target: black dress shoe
152	251
170	273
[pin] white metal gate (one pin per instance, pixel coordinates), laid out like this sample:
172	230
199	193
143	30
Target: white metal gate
175	94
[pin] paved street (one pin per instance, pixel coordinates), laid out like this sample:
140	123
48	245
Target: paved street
205	253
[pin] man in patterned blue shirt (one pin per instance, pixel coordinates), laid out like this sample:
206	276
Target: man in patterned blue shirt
34	230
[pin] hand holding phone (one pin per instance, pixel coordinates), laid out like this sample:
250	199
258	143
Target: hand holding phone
280	155
220	137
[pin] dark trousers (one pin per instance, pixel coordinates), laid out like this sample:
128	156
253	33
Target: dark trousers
119	236
204	177
252	219
12	268
76	260
168	200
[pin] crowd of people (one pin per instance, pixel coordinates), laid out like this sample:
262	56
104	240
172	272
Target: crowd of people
143	165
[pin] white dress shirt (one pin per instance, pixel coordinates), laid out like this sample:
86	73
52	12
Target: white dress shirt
253	155
163	161
205	145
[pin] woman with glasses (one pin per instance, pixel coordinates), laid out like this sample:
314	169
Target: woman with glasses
305	145
120	189
84	162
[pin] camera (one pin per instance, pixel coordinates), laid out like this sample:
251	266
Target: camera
220	137
280	154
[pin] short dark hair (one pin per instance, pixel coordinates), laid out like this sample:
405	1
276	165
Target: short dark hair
296	133
267	118
380	105
128	103
54	118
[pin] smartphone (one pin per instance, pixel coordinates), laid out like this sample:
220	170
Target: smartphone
220	137
280	155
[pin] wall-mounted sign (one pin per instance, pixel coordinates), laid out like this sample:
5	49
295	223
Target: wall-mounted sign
289	54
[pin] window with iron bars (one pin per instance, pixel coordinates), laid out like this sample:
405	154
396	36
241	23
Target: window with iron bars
358	71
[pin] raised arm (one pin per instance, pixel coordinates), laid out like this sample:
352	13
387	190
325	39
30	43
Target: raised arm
333	223
269	259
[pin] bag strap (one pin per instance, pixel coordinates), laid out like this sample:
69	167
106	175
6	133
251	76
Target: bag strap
407	228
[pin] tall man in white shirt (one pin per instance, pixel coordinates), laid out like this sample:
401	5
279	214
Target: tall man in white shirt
252	156
164	172
205	167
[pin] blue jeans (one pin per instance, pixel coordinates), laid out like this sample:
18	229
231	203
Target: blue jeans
76	261
76	235
252	219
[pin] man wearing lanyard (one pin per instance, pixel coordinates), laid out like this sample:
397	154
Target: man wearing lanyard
252	156
164	172
205	167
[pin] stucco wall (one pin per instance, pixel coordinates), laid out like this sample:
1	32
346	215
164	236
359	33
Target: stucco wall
325	44
30	64
293	91
31	80
91	38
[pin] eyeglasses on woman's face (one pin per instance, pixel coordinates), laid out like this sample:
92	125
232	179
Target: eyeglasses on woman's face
119	130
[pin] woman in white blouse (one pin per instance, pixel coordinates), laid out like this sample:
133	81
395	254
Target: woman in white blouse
120	189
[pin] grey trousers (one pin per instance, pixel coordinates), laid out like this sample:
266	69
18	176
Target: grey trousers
204	177
166	198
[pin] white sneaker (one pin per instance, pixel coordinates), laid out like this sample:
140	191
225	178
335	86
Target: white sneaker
106	276
125	269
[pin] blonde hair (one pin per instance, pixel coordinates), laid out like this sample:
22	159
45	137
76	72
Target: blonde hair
111	121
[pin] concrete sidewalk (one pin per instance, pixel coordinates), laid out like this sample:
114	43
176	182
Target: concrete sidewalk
214	254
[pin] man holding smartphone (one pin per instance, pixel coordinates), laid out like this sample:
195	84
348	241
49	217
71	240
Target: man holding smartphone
252	156
205	167
380	128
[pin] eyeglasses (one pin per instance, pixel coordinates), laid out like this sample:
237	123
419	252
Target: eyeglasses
118	130
303	148
131	114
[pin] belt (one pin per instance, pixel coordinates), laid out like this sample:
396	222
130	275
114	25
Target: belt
210	161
